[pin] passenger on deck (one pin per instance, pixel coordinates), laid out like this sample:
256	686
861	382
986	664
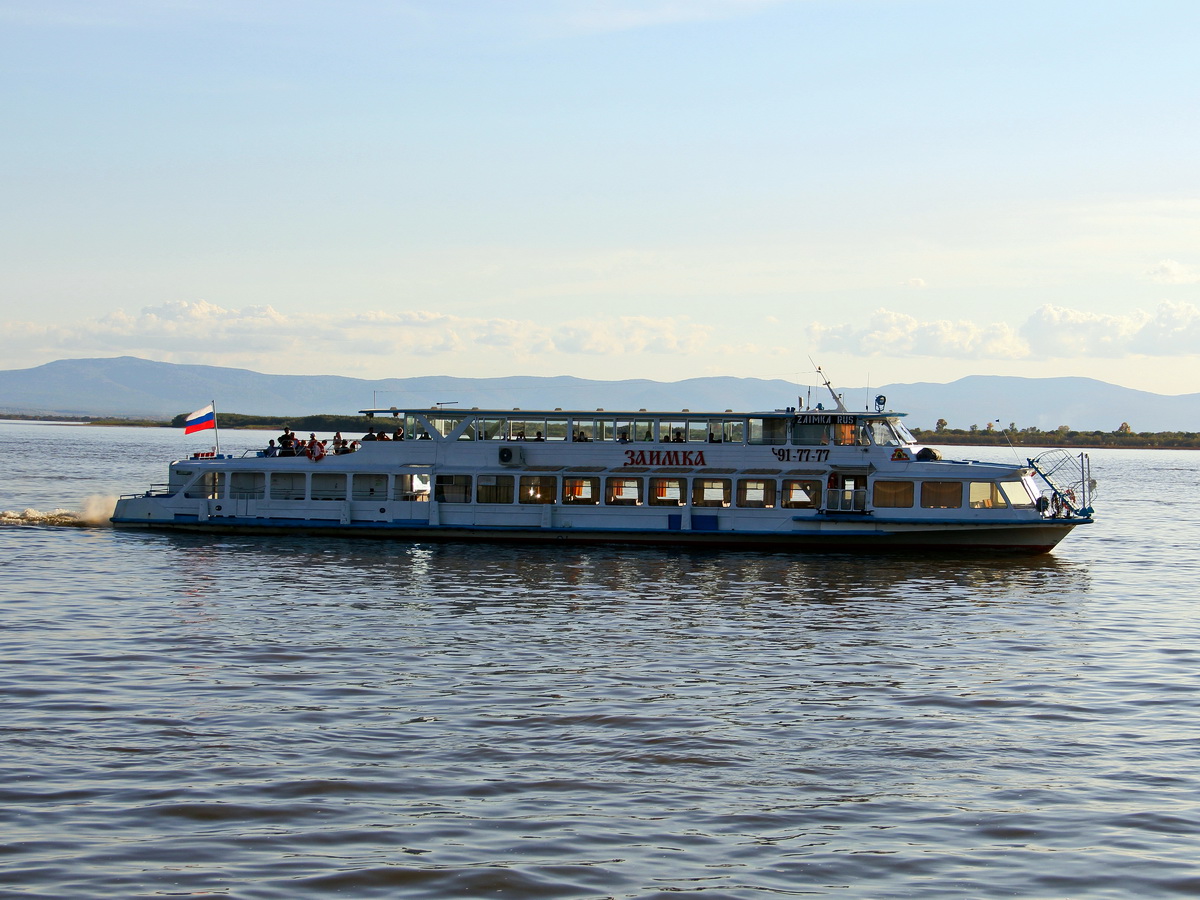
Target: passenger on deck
624	438
271	450
538	437
370	435
678	437
398	434
287	443
382	436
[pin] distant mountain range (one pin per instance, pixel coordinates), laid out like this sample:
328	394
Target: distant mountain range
130	387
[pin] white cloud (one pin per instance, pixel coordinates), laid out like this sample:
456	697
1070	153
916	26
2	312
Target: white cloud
198	331
889	333
1051	332
1168	271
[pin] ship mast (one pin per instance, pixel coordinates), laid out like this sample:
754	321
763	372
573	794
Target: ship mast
837	398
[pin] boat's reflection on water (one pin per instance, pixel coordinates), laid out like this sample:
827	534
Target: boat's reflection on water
381	572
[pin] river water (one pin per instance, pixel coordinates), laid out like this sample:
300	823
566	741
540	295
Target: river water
282	718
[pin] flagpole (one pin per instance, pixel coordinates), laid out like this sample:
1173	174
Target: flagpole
216	430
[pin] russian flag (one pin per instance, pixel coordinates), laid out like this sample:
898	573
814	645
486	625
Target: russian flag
200	420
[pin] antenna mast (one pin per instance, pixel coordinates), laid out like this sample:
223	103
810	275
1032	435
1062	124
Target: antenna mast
837	398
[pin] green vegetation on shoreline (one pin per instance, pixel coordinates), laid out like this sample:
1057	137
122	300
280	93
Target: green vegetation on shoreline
1063	436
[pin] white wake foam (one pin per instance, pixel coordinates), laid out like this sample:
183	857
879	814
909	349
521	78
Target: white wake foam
96	511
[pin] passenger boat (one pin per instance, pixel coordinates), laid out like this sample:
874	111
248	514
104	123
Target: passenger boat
812	479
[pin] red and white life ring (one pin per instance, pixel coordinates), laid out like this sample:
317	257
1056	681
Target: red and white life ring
316	451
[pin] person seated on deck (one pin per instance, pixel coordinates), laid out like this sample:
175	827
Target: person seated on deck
271	450
538	437
287	443
424	436
678	437
519	436
398	434
370	435
583	436
624	438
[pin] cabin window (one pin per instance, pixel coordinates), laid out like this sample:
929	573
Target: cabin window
210	486
711	491
623	491
581	490
667	491
941	494
595	429
452	489
882	434
415	429
727	431
495	489
369	487
247	485
409	487
893	495
287	486
492	430
700	429
1018	494
768	431
445	423
985	495
848	435
673	431
538	488
801	493
328	486
558	429
755	493
808	434
643	430
528	429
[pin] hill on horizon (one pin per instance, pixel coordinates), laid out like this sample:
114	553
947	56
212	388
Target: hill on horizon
129	387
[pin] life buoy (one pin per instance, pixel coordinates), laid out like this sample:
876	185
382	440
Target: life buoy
316	451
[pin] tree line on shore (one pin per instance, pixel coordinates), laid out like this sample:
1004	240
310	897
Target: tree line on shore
1062	436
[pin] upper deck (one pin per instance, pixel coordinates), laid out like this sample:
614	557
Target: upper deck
809	427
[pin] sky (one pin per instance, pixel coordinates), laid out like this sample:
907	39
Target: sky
896	190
